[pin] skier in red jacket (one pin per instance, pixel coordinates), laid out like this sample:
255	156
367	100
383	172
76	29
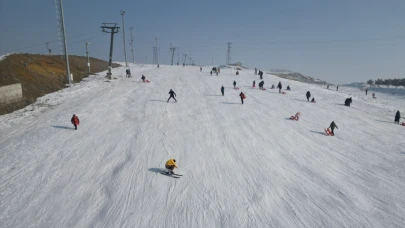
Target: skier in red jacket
75	121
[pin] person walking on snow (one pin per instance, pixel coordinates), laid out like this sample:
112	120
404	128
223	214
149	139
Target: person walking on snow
222	90
172	95
143	78
279	86
242	96
234	84
332	127
397	117
75	121
170	165
308	95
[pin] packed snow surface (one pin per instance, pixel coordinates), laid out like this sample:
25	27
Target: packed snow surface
244	165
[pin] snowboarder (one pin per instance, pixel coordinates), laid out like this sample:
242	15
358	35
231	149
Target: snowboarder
170	165
279	86
313	100
254	83
308	95
75	121
288	87
397	117
255	71
172	95
234	84
332	127
242	96
200	69
237	72
143	78
222	90
348	101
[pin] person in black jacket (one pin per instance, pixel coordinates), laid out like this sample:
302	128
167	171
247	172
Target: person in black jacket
143	78
397	117
279	86
308	95
254	83
172	95
261	74
222	90
348	101
332	127
261	84
234	84
242	96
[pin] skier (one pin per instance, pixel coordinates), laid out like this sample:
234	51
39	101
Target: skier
242	96
255	71
170	165
397	117
222	90
75	121
254	83
348	101
332	127
279	86
128	71
172	95
288	87
313	100
237	72
308	95
234	84
143	78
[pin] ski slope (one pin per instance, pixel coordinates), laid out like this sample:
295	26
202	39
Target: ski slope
244	165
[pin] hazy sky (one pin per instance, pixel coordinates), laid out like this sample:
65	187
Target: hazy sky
338	41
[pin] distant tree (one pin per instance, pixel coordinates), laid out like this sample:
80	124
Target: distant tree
370	82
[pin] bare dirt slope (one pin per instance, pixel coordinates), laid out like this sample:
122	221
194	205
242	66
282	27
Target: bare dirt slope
42	74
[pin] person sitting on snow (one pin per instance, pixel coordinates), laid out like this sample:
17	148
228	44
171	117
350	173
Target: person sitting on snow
288	87
237	72
170	165
348	101
143	78
313	100
296	117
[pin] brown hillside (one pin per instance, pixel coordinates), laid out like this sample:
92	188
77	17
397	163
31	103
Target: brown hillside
42	74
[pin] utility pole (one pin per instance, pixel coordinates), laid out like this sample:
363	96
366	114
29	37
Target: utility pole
172	49
114	29
131	42
178	55
49	50
189	61
88	59
123	32
61	22
228	58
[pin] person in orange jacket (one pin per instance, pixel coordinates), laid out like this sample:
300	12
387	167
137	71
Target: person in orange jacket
75	121
170	165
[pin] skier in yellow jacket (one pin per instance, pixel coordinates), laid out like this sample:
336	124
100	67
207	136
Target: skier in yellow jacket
170	165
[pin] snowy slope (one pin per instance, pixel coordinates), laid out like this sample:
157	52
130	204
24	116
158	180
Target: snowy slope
244	165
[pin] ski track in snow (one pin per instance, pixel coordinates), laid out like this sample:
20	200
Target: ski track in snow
244	165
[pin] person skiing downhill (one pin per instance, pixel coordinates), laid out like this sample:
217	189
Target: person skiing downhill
222	90
172	95
75	121
332	127
397	117
279	86
170	165
242	96
308	95
234	84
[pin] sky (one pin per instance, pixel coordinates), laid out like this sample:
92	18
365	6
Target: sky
337	41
